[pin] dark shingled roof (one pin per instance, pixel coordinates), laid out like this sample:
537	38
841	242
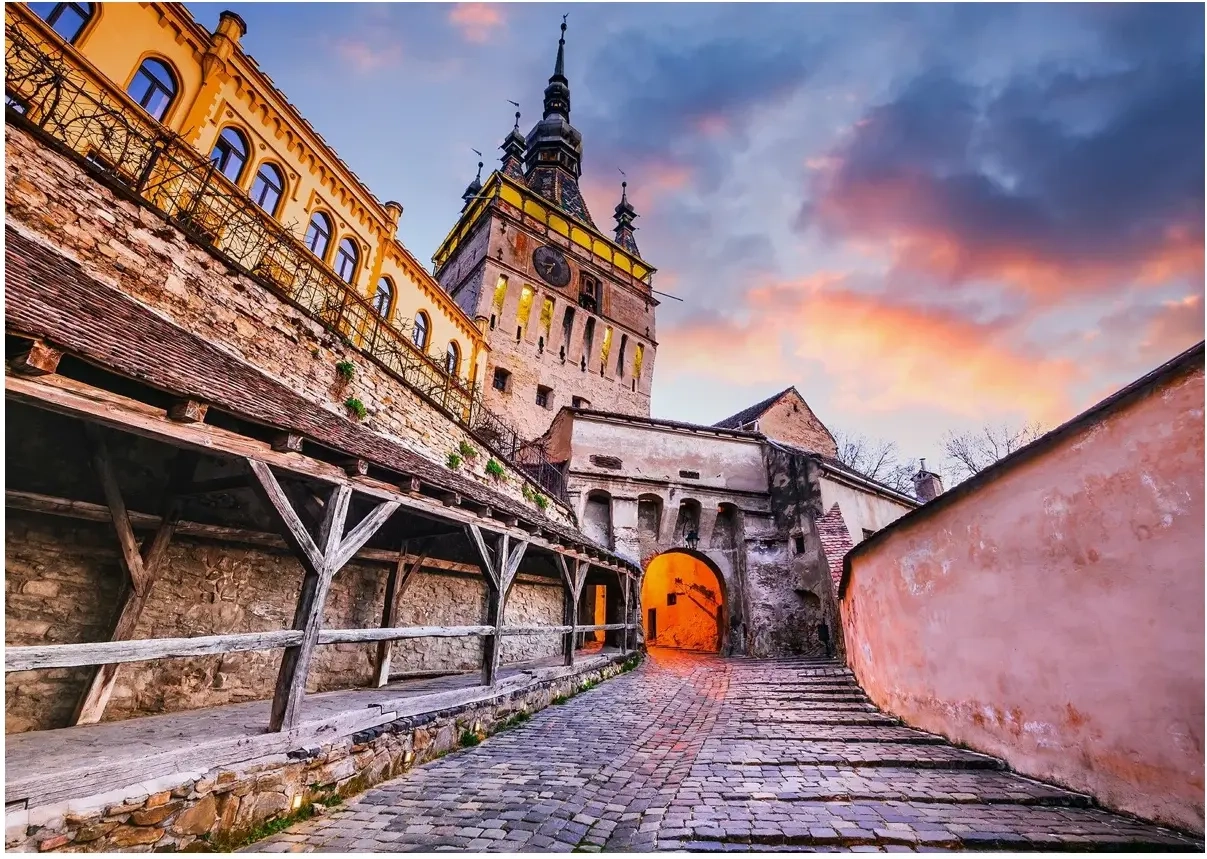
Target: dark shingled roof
751	413
48	295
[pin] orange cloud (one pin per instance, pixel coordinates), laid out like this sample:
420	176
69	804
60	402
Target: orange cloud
476	21
879	356
367	58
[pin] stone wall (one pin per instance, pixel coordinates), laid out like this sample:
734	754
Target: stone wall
861	510
550	359
1050	610
62	586
791	420
217	807
128	245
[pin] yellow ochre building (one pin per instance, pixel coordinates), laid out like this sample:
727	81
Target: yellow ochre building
154	61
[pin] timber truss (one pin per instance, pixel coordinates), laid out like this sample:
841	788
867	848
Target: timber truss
326	507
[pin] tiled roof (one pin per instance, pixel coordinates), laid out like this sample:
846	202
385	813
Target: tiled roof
48	295
836	540
751	413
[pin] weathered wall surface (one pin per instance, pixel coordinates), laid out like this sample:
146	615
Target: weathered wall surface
860	508
542	354
133	248
62	583
1053	616
791	420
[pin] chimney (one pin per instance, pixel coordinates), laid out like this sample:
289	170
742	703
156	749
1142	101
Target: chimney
223	43
927	484
394	212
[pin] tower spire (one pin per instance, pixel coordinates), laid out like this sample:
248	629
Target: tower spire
513	151
625	215
557	94
473	188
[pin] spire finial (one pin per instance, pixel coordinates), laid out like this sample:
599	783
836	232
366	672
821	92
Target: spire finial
559	68
557	94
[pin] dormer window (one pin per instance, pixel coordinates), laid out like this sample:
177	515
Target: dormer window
589	292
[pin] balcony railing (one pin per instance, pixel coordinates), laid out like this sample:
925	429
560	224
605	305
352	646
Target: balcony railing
43	88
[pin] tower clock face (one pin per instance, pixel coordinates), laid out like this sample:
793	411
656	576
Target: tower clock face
551	265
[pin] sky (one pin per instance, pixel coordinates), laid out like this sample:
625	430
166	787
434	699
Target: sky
927	218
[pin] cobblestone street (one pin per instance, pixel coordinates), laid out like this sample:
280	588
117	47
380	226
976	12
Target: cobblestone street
698	753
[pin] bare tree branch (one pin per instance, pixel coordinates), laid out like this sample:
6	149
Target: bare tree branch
875	459
969	453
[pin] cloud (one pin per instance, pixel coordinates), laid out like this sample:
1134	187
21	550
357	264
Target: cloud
477	22
1062	180
365	57
879	355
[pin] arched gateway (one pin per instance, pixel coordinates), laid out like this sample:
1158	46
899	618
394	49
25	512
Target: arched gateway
683	602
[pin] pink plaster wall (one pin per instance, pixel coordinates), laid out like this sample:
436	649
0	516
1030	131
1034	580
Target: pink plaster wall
1053	616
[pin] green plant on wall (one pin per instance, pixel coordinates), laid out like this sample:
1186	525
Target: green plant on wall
527	492
494	469
467	450
454	460
356	407
542	501
346	370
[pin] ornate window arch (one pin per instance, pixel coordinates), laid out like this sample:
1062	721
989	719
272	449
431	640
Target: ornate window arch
268	188
154	86
229	154
383	298
66	19
347	258
318	234
421	330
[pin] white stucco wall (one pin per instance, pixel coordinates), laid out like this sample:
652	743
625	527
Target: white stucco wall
860	508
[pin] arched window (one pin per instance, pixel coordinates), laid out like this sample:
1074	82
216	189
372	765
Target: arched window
452	358
230	153
420	331
318	234
267	188
346	259
384	297
66	19
153	87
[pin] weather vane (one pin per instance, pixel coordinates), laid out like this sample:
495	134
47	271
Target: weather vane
476	152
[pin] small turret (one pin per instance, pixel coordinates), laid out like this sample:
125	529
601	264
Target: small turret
625	215
513	152
472	189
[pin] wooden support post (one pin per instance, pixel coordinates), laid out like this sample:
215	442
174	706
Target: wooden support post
321	560
625	614
188	411
574	574
396	586
355	467
41	360
500	568
141	564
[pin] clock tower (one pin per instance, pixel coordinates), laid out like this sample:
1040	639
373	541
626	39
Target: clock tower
567	309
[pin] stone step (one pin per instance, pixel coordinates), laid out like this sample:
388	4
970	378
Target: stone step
813	784
788	752
830	733
925	825
814	717
775	699
787	706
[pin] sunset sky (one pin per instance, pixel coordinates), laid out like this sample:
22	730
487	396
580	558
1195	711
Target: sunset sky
925	217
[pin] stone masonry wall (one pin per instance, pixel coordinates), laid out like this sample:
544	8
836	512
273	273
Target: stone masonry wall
216	808
62	586
135	249
791	420
500	248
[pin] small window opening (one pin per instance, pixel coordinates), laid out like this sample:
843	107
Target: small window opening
501	378
798	542
543	396
671	599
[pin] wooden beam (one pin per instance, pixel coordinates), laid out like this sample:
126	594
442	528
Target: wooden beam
114	652
409	483
188	411
448	498
507	564
41	359
358	536
570	595
78	400
287	442
624	616
484	556
278	504
356	636
355	467
396	585
85	510
148	559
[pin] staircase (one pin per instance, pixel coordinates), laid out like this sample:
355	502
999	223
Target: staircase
799	757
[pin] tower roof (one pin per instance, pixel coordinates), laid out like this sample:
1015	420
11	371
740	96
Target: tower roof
625	215
554	147
513	152
473	188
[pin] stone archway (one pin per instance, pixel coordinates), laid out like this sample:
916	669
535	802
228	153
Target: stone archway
683	602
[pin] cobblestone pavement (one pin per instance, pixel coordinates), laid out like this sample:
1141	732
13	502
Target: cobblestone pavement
693	752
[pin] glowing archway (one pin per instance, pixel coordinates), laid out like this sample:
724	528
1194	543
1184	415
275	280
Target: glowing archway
683	602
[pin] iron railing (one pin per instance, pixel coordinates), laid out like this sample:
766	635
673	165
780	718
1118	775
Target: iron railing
102	126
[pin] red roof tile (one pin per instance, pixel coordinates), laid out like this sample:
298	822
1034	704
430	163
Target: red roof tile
835	539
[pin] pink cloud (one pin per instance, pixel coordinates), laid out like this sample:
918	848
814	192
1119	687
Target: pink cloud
368	58
476	22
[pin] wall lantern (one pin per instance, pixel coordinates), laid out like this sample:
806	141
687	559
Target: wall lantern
692	539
